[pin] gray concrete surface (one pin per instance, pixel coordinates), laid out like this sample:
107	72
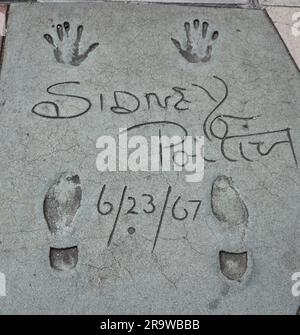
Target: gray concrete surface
62	249
287	22
226	2
286	3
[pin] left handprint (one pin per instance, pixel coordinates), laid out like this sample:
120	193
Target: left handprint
65	50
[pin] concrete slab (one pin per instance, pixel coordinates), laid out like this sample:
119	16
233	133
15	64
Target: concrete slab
76	240
287	22
226	2
3	9
287	3
11	1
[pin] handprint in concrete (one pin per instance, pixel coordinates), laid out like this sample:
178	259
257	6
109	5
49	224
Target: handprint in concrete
66	50
199	42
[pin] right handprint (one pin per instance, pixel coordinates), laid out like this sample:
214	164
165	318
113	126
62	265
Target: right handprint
198	46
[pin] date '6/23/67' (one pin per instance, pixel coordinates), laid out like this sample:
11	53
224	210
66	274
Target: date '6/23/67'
146	204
